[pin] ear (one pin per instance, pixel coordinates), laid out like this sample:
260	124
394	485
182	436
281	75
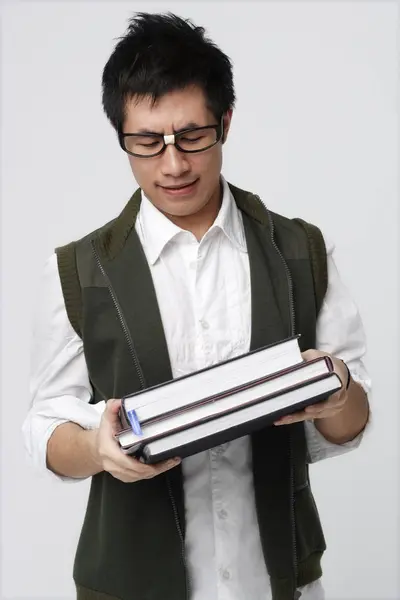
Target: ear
227	119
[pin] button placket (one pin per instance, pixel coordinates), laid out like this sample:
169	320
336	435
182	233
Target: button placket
216	501
202	324
205	324
197	304
220	514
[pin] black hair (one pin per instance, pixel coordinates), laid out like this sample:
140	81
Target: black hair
160	53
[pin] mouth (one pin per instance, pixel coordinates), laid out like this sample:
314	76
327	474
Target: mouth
180	190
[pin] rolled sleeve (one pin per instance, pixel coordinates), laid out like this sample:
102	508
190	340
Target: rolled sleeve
319	448
60	388
340	332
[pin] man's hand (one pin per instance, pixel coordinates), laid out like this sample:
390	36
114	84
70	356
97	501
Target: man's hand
329	408
110	457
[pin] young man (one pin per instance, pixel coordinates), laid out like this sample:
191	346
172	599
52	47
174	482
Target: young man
192	272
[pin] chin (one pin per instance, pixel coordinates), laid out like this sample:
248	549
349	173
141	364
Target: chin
182	208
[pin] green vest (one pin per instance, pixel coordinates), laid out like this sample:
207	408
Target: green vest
132	543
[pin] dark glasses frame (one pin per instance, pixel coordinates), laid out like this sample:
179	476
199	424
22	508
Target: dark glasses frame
170	139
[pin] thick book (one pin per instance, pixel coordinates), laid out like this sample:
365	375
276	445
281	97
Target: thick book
224	401
245	421
188	390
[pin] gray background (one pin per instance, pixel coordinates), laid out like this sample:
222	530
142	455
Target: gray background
315	134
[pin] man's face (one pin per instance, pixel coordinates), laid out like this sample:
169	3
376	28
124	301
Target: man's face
160	176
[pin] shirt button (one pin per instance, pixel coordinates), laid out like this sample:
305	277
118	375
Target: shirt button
204	324
226	574
220	450
222	513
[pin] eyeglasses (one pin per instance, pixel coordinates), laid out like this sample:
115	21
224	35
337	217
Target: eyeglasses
147	145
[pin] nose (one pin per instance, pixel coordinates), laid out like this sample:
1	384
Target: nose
174	163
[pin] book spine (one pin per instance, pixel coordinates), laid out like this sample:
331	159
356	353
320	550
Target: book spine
123	417
244	386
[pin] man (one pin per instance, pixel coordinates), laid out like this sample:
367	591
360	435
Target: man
192	272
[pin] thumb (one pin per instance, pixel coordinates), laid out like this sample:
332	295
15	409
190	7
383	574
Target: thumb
111	410
311	354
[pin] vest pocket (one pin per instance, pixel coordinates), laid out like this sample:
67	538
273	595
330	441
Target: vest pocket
301	487
309	534
83	593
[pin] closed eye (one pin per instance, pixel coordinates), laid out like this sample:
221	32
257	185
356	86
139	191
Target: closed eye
149	145
191	139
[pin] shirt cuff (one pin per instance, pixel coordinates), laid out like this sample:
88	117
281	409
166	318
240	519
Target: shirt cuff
319	448
45	417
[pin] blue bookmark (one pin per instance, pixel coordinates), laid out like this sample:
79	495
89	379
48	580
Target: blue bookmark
134	421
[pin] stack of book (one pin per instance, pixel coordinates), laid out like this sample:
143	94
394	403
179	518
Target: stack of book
228	400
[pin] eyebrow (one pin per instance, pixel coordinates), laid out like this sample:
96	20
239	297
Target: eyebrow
190	125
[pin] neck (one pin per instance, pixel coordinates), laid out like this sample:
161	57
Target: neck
200	222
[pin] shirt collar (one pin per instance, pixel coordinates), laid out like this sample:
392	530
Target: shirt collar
158	230
229	218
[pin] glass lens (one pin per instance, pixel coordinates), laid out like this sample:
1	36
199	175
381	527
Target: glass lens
145	145
196	140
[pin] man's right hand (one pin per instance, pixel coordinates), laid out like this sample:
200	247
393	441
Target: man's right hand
110	457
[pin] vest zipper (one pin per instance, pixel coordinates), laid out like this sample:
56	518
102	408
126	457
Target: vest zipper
287	271
121	318
143	386
178	526
297	594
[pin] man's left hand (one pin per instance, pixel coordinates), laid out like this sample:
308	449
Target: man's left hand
328	408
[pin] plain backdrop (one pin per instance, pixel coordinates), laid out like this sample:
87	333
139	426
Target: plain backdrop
315	134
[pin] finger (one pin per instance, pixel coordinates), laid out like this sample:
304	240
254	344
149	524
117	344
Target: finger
150	471
168	464
112	407
142	471
293	418
336	401
119	460
312	353
124	476
326	415
308	413
111	413
317	408
134	465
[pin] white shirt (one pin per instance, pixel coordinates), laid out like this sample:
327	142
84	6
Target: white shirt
203	291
